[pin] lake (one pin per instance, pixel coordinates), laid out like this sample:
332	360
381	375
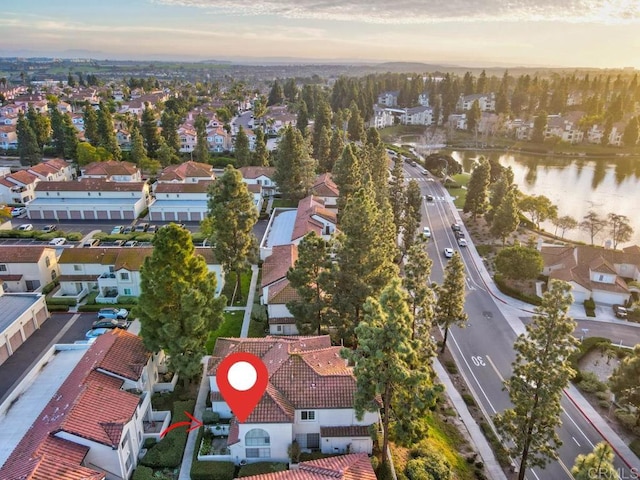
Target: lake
576	185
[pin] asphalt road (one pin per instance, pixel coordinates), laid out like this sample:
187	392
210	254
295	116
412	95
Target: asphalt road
484	349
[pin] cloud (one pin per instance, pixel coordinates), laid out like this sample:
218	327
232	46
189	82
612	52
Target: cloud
430	11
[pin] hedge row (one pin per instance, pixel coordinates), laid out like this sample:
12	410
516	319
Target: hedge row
57	308
61	301
512	292
168	452
99	306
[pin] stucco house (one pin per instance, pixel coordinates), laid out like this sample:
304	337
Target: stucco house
95	424
113	271
21	314
27	269
184	202
18	187
54	170
417	116
594	272
309	398
89	199
382	117
276	290
187	172
8	137
486	102
262	176
326	190
112	171
389	98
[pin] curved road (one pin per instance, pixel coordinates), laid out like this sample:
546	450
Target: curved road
484	349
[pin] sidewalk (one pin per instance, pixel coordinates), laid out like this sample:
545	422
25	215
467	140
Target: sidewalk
201	401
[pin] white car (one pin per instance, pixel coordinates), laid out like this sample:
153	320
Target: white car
462	242
56	242
427	232
25	227
448	252
16	212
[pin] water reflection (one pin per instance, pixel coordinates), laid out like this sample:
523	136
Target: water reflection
575	185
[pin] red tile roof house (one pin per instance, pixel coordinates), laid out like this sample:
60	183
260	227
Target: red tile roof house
262	176
325	189
594	272
89	199
113	171
94	425
309	398
27	269
354	466
18	187
276	290
53	170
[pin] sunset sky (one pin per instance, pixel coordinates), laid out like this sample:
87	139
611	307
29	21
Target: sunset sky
571	33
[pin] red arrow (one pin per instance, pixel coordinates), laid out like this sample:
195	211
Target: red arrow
198	424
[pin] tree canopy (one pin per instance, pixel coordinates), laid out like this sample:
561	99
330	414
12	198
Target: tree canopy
519	263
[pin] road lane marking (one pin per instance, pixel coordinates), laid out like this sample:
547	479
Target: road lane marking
495	369
576	425
574	439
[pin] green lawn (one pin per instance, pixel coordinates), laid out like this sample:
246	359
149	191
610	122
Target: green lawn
259	323
283	203
230	327
460	194
230	285
392	134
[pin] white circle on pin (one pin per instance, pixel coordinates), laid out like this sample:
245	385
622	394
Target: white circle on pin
242	376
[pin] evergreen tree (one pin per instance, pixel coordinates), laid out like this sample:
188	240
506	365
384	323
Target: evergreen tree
295	169
149	131
540	373
347	174
397	195
389	365
302	121
41	126
90	120
519	263
290	90
620	229
539	208
276	95
87	153
506	218
449	309
106	132
322	119
261	154
478	189
630	135
597	465
335	150
416	281
201	152
241	149
169	122
138	151
412	215
165	154
232	215
565	223
364	259
28	148
355	126
539	125
177	306
324	150
57	129
308	277
473	116
624	382
70	137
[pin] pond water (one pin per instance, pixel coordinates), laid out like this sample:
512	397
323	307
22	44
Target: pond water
576	185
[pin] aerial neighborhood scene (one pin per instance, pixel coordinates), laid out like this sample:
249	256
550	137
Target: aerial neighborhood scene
295	240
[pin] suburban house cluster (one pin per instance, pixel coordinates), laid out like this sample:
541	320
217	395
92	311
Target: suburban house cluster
86	413
279	248
309	399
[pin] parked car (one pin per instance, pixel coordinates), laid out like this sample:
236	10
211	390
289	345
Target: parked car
92	242
113	313
49	228
16	212
131	243
620	311
462	242
459	234
110	323
456	227
152	229
117	230
118	243
56	242
128	229
448	252
429	198
96	332
142	227
25	227
427	232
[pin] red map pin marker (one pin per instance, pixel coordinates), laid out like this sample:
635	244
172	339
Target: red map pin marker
242	379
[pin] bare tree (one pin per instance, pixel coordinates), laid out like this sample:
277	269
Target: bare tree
592	224
564	223
619	228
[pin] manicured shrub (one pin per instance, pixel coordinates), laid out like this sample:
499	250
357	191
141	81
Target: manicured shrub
142	473
58	308
260	468
512	292
209	417
212	470
61	301
168	451
48	288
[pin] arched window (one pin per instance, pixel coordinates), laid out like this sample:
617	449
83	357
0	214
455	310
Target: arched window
258	444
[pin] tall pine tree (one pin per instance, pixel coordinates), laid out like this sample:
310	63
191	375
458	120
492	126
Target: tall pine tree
295	169
451	295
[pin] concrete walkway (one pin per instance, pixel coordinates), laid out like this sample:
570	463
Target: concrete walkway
201	401
493	468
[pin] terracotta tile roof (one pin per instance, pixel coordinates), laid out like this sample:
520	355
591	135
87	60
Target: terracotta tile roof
282	321
61	459
345	431
58	163
23	254
309	209
324	186
196	187
276	265
255	172
282	293
78	278
304	372
67	410
6	183
24	177
90	185
11	278
104	256
110	168
127	357
355	466
186	170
